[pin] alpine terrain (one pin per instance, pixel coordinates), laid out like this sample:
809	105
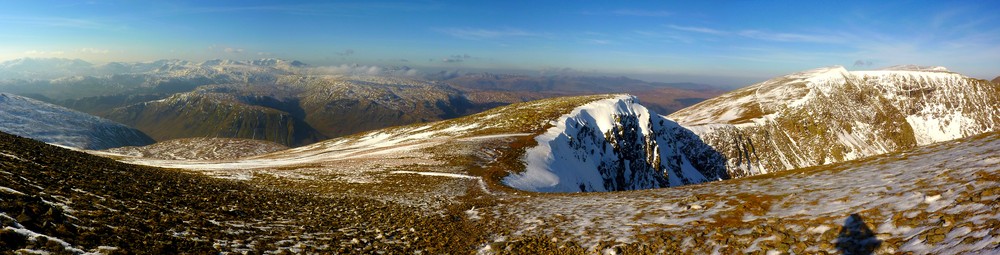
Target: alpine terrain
441	187
499	127
57	125
829	115
290	102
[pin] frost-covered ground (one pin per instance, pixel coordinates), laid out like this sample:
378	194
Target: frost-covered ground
940	199
202	148
830	115
59	125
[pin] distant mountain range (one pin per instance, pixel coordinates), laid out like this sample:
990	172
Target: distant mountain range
661	97
292	103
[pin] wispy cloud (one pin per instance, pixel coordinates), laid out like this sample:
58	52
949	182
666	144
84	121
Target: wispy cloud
233	50
346	53
480	33
56	22
791	37
597	41
703	30
355	69
43	53
664	36
641	13
456	58
319	9
94	51
765	35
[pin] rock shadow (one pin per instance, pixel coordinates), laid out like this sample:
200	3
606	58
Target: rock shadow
856	237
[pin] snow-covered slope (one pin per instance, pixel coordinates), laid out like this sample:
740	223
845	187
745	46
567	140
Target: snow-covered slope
203	148
57	125
829	115
446	147
615	144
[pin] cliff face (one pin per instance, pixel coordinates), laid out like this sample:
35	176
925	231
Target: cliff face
831	115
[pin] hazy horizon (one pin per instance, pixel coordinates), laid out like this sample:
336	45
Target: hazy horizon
717	43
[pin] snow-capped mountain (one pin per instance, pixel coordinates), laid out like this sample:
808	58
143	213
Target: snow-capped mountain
51	68
616	144
830	115
57	125
78	83
43	68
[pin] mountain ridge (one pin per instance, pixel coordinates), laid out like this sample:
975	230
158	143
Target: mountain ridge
829	115
58	125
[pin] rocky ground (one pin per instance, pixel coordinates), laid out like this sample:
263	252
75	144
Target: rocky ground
202	148
941	199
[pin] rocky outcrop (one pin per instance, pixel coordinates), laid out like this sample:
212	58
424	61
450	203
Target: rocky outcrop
616	144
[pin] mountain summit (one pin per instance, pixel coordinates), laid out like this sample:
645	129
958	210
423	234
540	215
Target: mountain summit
828	115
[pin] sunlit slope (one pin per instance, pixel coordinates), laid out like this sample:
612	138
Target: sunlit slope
59	201
201	149
830	115
58	125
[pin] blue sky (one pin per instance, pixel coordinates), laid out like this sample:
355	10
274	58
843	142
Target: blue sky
722	43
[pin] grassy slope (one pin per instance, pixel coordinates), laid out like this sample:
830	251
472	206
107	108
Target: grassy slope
90	201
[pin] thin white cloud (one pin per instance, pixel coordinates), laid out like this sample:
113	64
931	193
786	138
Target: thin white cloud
480	33
319	9
791	37
355	69
39	52
55	22
345	53
233	50
598	41
766	35
703	30
94	51
641	13
666	37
